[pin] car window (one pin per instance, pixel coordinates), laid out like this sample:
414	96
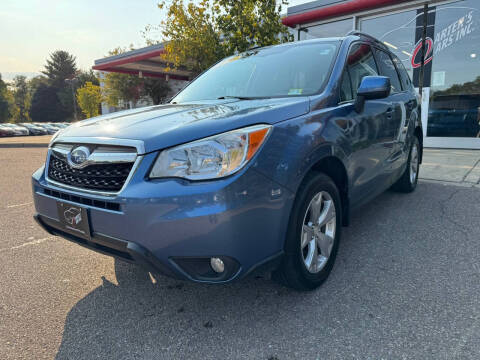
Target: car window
346	88
387	68
404	77
360	63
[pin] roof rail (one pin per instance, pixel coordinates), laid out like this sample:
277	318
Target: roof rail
359	33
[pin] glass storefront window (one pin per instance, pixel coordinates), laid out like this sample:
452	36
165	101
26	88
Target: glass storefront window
454	109
397	31
333	29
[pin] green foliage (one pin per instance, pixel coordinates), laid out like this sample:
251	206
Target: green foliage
46	106
86	76
48	98
6	102
89	98
198	35
66	94
248	23
21	95
35	82
59	67
156	89
193	38
470	87
121	87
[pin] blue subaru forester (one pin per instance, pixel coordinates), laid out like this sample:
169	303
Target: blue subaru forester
257	164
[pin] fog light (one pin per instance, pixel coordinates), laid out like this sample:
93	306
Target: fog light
217	265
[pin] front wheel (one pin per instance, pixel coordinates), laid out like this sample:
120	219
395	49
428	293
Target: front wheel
408	182
313	234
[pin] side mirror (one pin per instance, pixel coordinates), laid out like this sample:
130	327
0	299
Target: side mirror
372	87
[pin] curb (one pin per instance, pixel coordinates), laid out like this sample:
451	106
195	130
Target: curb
23	145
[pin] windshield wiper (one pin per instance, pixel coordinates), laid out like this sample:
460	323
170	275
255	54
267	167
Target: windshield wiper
242	97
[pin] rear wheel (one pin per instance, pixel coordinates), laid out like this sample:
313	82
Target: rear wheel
313	234
408	182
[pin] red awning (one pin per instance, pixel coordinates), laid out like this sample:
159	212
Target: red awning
341	9
146	61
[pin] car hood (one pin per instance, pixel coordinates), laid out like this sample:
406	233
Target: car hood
167	125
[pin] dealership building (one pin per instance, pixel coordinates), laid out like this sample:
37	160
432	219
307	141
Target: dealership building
143	62
446	33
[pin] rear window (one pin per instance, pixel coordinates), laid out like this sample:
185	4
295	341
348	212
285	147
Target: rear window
387	68
404	77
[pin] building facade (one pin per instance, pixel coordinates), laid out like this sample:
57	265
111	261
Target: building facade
437	41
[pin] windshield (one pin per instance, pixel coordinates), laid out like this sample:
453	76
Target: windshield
278	71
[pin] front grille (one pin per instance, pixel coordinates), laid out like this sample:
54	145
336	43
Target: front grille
101	177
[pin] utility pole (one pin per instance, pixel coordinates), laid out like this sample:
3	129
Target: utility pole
424	36
72	82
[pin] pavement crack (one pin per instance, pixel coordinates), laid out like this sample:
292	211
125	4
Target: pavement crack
477	163
18	205
30	243
449	218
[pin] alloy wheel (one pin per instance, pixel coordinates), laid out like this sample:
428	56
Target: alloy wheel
318	232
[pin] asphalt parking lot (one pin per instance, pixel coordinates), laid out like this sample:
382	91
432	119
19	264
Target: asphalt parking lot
406	285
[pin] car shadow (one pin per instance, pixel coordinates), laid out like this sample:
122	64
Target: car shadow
156	317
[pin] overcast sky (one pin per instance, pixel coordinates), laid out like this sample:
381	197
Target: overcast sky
32	29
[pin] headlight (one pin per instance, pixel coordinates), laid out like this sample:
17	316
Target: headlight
213	157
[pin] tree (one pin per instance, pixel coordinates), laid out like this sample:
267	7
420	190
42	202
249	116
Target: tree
156	89
46	107
470	87
21	95
59	67
199	35
6	102
35	82
248	23
121	87
86	76
193	39
89	98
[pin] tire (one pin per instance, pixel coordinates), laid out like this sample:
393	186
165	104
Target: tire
294	271
408	181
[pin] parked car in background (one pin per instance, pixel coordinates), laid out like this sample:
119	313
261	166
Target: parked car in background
454	116
258	162
50	128
17	129
62	125
35	129
6	131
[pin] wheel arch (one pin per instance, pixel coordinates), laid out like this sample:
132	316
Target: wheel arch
333	167
419	134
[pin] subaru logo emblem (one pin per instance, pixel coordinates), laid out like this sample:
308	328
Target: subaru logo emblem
78	157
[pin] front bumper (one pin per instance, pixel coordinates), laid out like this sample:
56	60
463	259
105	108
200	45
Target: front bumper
163	224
